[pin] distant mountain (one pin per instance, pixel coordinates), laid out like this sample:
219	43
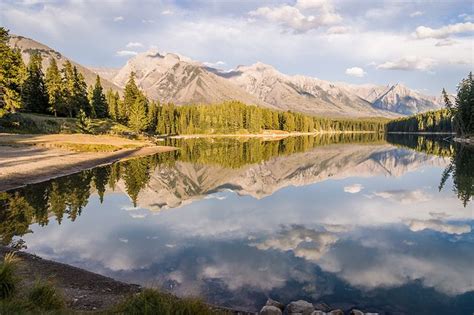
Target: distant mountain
301	94
396	98
27	46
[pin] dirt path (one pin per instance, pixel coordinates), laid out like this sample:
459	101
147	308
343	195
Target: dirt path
27	159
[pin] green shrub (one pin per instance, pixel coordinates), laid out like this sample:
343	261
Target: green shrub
13	307
8	280
44	296
153	302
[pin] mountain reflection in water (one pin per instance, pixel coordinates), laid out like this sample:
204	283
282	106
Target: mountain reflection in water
351	220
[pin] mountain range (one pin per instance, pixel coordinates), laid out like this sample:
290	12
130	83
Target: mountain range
170	77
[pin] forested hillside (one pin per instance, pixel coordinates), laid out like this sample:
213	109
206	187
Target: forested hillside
433	121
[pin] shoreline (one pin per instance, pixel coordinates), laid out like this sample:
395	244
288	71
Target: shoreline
30	159
421	133
84	291
262	135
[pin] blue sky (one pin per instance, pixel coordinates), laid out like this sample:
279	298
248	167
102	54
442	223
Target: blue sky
426	45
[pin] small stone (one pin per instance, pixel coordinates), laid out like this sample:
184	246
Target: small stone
318	313
299	307
356	312
270	310
271	302
336	312
322	307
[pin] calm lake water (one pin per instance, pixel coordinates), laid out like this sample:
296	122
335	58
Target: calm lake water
352	221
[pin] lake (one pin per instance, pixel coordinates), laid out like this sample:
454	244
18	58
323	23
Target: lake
380	224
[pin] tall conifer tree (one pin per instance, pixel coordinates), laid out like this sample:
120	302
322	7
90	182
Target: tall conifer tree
98	102
33	91
53	84
68	88
130	94
80	93
11	75
138	119
113	100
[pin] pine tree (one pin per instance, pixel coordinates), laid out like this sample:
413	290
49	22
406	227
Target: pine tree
98	102
84	123
75	91
136	175
68	88
101	177
130	94
80	99
11	75
53	82
152	116
113	100
33	91
462	110
137	119
90	93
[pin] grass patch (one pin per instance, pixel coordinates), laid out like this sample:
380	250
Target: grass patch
8	280
28	123
153	302
45	297
13	307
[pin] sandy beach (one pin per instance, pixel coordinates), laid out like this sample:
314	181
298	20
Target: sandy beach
27	159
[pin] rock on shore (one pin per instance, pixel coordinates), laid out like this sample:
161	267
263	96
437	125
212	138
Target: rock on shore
302	307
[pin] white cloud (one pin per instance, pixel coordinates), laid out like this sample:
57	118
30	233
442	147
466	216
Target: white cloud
215	196
467	17
338	30
404	196
167	12
304	16
353	189
148	21
445	42
304	242
118	18
437	225
385	13
416	13
217	64
423	32
134	44
445	274
125	53
408	63
356	72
